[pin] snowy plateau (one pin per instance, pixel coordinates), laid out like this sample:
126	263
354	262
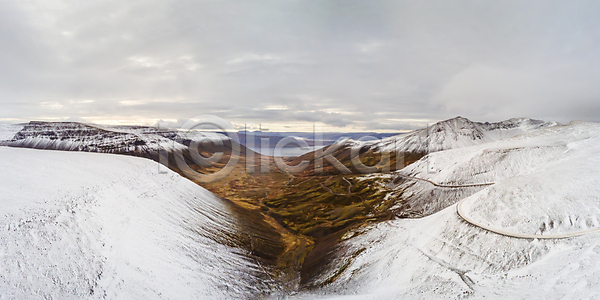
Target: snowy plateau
506	210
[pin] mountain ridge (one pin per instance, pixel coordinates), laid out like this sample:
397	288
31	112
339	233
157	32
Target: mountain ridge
455	133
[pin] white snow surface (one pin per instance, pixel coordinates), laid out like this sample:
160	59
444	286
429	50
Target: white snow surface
114	230
457	133
79	225
443	257
559	196
546	182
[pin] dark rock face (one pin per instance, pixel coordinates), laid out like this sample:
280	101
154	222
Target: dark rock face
72	136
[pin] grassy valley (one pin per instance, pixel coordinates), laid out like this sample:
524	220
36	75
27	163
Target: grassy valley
310	212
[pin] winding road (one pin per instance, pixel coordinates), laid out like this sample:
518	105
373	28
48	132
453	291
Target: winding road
500	231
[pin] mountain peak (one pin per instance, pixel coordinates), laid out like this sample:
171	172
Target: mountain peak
460	132
456	120
459	118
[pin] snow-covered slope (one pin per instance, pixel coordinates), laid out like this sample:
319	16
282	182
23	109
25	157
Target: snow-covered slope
457	133
556	189
8	131
442	257
479	164
81	225
546	182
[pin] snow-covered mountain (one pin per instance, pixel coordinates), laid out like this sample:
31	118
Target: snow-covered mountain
545	183
96	226
457	133
407	148
480	164
72	136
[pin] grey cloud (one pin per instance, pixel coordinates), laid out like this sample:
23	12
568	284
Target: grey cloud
372	65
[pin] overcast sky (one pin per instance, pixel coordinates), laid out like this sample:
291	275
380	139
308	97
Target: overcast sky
352	65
